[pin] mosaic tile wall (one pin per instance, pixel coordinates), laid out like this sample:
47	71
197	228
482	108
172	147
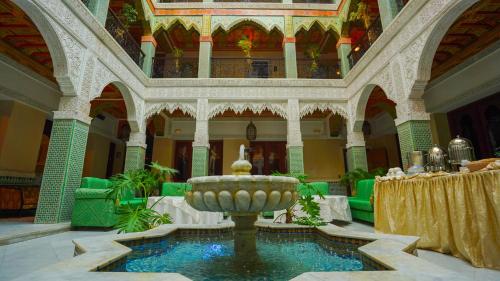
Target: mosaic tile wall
63	171
134	158
200	162
296	159
356	158
414	135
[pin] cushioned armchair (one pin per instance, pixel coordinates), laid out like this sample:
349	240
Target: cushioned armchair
362	204
92	206
175	188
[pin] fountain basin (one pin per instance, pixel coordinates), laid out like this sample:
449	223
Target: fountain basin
242	194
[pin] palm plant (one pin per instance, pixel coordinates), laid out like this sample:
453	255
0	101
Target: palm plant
246	46
306	201
350	178
140	217
313	53
178	53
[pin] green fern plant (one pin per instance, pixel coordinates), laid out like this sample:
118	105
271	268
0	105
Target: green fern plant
139	218
129	14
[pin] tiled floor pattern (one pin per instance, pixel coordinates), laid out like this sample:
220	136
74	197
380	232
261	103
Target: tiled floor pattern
23	257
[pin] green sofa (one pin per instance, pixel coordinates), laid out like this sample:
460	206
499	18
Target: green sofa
175	188
92	208
362	204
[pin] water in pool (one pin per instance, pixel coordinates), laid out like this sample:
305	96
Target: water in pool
279	257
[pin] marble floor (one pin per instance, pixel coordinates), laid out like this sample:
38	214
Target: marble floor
26	256
21	229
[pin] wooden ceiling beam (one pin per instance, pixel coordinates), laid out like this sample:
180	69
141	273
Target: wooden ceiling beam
26	60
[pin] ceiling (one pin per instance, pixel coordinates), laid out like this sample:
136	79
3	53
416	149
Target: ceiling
177	36
110	101
21	40
472	32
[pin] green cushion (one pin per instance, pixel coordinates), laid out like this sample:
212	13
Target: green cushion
95	183
362	215
132	202
318	187
360	204
364	189
268	214
175	188
89	193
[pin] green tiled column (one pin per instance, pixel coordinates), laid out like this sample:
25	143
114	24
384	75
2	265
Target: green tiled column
295	159
414	135
388	11
356	158
199	161
63	170
343	50
134	158
148	46
99	8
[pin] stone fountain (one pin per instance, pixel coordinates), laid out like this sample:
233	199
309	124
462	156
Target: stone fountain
243	196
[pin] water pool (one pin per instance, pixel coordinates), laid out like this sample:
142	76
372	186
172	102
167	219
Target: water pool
212	257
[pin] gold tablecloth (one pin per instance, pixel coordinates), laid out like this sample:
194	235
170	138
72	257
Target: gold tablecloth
457	214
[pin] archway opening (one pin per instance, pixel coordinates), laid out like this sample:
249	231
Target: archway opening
317	53
324	139
108	134
464	80
379	129
170	136
29	93
177	52
247	51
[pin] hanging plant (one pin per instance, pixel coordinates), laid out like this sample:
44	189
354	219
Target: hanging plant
246	46
177	53
361	14
129	15
313	53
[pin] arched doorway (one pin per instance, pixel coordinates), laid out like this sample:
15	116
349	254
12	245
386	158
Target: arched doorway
247	50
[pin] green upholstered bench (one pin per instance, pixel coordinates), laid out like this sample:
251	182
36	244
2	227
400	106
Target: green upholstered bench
92	206
362	204
175	188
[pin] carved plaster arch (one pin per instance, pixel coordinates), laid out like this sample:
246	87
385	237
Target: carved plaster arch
54	44
310	107
361	103
256	107
228	23
188	22
326	23
130	104
188	108
430	45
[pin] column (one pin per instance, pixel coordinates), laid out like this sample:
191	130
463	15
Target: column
388	10
205	53
295	147
136	151
343	51
63	167
99	8
148	46
289	49
200	144
414	128
356	151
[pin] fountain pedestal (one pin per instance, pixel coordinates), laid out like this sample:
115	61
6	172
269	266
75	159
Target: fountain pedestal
243	196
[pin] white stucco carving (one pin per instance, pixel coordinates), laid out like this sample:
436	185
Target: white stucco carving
278	108
188	108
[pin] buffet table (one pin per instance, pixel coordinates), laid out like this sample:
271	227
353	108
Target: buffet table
452	213
333	207
181	213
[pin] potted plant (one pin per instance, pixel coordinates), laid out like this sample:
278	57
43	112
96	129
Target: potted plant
307	203
139	217
313	53
129	15
177	53
246	46
350	178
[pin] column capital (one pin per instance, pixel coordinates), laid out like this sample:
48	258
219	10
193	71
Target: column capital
72	115
355	139
137	139
206	38
411	109
149	38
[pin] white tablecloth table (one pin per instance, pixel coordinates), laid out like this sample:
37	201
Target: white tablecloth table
333	207
181	213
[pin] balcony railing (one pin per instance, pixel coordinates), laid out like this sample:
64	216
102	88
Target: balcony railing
326	69
360	47
121	34
248	68
171	68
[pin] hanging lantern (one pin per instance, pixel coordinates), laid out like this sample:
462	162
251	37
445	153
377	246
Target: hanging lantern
367	128
251	131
